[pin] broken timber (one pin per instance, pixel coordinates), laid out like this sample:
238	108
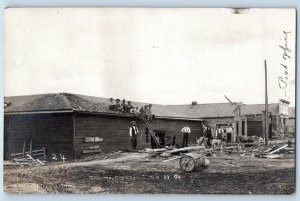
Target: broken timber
185	149
272	152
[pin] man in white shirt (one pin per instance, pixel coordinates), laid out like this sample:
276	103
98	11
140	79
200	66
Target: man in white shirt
219	133
133	132
186	132
229	132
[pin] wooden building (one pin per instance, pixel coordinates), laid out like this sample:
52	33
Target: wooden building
249	122
77	125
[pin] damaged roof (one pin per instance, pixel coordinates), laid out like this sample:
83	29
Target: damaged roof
211	110
215	110
259	108
75	102
82	103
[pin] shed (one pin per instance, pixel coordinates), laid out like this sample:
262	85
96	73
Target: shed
77	125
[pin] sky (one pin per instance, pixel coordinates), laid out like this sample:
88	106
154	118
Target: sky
164	56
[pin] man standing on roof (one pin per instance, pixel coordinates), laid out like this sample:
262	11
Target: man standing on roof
111	104
118	105
129	107
133	132
186	132
144	112
123	105
150	118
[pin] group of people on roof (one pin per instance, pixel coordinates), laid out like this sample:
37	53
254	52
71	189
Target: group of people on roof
146	112
121	107
126	107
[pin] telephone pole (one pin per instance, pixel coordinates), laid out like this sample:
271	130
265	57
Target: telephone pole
266	106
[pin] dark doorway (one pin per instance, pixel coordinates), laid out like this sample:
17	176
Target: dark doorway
243	127
160	134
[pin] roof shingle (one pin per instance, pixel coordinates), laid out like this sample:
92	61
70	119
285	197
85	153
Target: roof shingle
66	101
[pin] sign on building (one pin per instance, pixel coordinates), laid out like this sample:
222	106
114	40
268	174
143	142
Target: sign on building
284	107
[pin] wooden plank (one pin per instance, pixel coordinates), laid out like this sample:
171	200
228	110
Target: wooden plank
98	139
89	139
91	151
272	152
95	147
40	162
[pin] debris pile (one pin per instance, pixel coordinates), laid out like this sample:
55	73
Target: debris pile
196	157
31	157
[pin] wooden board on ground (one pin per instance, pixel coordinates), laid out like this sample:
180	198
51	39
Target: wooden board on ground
185	149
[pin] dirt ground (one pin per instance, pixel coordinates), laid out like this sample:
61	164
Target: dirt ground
135	172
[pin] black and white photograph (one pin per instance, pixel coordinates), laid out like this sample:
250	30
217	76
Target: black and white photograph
149	101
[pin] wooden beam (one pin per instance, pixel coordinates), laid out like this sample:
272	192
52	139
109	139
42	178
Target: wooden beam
91	151
30	150
24	149
272	152
266	106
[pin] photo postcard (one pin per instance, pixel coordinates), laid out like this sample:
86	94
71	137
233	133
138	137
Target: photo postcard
149	100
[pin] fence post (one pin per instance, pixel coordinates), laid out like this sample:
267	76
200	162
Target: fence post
30	151
24	150
44	149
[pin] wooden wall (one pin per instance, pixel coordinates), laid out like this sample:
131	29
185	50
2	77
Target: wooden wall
60	133
115	132
173	128
53	131
255	128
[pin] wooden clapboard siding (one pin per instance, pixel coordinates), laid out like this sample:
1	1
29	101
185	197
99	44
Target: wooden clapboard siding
173	128
255	128
65	133
115	131
52	131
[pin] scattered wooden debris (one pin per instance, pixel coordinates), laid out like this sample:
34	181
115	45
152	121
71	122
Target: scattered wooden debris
31	157
278	149
273	156
182	150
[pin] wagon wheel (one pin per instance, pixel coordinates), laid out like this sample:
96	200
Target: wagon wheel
187	163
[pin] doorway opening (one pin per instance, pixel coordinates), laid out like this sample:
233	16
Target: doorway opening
160	136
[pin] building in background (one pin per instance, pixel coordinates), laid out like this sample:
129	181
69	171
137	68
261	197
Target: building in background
248	121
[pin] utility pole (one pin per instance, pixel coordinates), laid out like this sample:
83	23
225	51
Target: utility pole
266	106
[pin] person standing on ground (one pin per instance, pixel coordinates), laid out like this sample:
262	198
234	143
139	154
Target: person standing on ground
229	132
219	133
209	136
186	132
133	132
